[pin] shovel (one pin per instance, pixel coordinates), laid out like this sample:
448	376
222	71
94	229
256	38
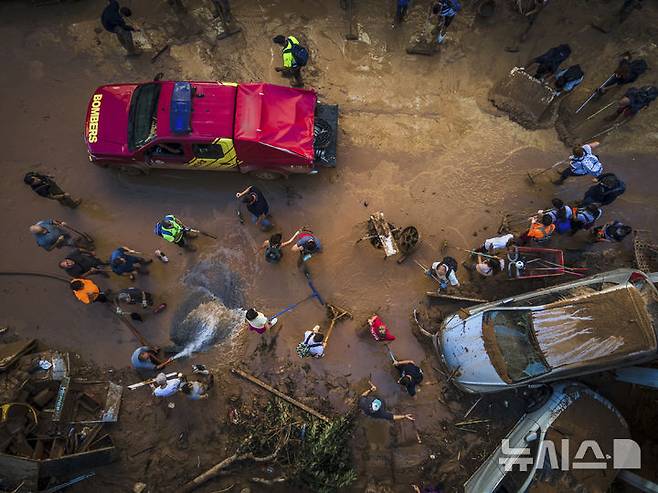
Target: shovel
203	233
532	177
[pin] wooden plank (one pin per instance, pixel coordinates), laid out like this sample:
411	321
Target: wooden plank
432	294
277	393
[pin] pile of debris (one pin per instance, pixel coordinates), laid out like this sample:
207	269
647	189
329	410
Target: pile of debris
51	424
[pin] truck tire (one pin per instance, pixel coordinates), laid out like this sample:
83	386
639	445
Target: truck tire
266	175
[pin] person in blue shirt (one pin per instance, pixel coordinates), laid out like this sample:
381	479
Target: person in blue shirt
582	162
124	263
49	235
447	10
144	358
567	79
561	214
306	243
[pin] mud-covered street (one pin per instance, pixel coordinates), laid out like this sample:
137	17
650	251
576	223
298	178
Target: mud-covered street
418	139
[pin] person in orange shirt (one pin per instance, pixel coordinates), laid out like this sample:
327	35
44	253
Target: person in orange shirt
539	231
86	291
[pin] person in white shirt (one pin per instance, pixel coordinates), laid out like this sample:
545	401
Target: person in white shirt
492	245
312	344
258	322
166	388
444	272
487	266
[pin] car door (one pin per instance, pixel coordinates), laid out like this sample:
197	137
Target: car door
167	154
215	154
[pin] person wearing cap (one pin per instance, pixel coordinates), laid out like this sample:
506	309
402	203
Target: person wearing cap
144	358
167	388
375	407
410	375
257	206
174	231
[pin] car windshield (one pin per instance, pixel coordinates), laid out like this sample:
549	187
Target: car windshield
142	120
516	353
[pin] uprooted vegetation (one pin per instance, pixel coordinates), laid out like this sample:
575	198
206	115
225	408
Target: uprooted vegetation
300	450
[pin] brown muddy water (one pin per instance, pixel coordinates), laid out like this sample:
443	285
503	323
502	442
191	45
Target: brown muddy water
418	141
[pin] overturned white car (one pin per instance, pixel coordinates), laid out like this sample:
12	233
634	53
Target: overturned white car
590	325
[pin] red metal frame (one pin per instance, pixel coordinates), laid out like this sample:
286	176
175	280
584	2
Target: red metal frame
552	255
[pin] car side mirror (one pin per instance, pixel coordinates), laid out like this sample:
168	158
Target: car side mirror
158	76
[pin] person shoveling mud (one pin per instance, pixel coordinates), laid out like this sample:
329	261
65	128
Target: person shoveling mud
410	373
444	271
375	407
174	231
583	162
49	234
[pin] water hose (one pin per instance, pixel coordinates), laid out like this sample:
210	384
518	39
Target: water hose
36	274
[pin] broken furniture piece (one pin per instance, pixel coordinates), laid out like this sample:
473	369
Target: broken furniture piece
385	236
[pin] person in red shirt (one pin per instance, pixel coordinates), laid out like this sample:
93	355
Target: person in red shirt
379	330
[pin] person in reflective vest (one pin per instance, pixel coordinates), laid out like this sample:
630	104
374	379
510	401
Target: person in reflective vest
540	230
294	57
174	231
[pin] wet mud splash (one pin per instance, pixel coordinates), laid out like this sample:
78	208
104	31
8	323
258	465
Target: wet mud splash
211	312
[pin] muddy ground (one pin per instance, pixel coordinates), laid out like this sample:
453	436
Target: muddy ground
418	140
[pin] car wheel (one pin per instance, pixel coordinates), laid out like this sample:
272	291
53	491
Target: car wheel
131	171
266	175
